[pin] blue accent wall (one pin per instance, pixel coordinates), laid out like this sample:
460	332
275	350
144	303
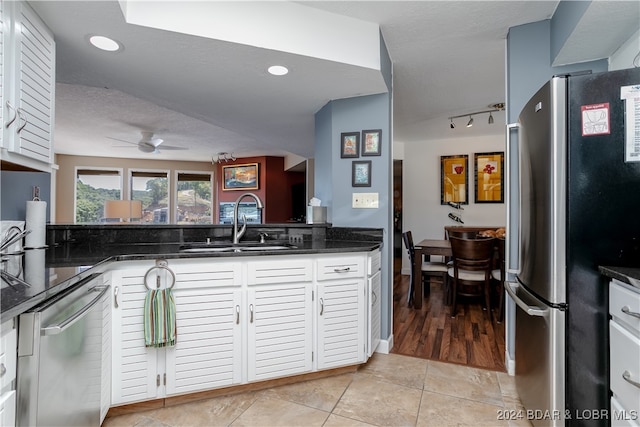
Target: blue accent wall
17	188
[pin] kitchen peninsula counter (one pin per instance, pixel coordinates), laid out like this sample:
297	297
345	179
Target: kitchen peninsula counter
76	253
628	275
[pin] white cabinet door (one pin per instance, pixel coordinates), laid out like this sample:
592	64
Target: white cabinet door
134	366
279	319
35	83
341	322
8	409
105	393
373	314
208	350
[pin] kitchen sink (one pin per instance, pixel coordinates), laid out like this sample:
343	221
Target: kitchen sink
230	247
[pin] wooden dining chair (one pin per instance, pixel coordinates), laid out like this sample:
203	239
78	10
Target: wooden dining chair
498	275
471	271
429	269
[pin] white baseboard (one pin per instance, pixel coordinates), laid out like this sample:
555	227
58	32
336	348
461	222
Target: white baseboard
511	364
385	346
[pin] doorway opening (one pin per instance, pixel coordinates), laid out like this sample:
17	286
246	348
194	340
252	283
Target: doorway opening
472	338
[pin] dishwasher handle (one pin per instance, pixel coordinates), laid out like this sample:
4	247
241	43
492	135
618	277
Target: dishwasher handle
65	324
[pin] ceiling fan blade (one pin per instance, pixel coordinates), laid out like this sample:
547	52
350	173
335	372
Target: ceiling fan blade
122	140
171	147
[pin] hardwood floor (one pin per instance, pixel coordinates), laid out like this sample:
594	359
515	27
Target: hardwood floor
472	338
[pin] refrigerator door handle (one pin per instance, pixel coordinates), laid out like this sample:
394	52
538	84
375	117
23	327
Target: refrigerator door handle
508	183
65	324
531	310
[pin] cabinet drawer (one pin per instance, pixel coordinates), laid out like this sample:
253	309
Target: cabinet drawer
621	300
625	361
373	262
280	271
331	268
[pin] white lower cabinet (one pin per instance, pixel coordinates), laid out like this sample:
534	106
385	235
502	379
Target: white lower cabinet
340	306
280	322
624	350
208	349
8	361
241	320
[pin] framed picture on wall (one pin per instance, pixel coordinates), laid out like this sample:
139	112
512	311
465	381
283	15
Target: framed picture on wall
371	142
489	177
453	179
361	173
349	144
240	177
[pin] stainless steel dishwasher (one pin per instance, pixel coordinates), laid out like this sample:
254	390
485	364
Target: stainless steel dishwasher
60	358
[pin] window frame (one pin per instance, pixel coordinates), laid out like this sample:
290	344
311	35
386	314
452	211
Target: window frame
167	173
175	192
120	174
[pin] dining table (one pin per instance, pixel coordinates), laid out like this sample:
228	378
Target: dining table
425	249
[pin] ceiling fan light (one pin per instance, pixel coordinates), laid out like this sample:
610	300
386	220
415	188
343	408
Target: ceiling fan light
490	119
470	123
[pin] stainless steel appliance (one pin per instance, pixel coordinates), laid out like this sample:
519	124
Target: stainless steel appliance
578	203
60	358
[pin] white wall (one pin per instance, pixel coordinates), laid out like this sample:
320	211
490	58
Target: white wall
422	212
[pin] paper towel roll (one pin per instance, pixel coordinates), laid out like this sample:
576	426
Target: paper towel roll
36	222
34	269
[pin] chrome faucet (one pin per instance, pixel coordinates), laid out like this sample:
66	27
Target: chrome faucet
237	235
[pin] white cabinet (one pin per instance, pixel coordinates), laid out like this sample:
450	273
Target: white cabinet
242	320
28	87
374	285
340	306
280	318
8	357
208	350
624	350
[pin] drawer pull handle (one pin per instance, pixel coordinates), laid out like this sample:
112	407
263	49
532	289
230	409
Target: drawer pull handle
342	270
237	314
321	306
250	313
115	297
626	310
3	369
627	377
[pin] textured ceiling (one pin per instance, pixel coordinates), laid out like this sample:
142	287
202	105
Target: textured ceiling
211	95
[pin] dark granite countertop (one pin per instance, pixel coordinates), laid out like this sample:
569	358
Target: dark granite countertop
61	266
628	275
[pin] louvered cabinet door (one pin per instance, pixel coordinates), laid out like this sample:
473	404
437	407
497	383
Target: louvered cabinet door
134	366
35	90
341	322
208	350
279	318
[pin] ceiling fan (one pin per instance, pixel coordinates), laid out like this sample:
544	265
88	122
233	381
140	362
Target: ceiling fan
149	144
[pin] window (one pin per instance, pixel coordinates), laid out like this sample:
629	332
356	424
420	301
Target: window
93	187
194	198
152	189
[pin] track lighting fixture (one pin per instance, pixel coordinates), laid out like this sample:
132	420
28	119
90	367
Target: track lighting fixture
223	157
493	108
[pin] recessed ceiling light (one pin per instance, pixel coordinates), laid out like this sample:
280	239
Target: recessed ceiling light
278	70
105	43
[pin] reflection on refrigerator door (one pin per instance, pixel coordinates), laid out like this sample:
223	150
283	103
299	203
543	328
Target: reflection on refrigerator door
539	357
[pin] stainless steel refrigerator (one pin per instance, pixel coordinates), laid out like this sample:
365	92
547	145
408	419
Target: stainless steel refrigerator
577	206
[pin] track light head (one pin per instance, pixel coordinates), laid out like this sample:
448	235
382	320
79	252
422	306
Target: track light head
470	123
490	119
452	125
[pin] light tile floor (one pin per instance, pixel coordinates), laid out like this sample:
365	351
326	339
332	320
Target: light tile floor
390	390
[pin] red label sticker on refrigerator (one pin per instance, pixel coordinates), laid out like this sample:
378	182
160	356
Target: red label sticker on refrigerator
595	119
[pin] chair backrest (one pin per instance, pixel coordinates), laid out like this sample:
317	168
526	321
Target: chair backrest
408	242
472	254
463	234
